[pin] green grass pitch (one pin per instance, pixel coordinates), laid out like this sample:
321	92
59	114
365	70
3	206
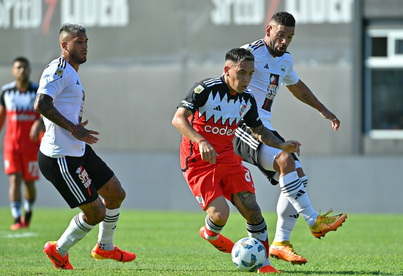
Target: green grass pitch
168	243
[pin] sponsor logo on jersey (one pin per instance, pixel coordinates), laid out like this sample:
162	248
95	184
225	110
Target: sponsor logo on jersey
198	89
266	66
282	69
219	130
23	117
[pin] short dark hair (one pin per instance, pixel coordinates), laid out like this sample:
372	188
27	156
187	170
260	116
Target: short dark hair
239	54
22	59
284	18
72	28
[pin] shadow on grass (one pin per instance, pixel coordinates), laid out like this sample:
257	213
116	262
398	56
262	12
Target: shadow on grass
362	272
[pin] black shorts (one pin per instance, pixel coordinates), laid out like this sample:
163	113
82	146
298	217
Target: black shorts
76	178
250	151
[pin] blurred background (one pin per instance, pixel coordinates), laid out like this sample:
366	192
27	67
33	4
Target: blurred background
145	55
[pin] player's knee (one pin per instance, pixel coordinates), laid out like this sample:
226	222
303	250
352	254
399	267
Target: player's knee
121	194
219	216
285	161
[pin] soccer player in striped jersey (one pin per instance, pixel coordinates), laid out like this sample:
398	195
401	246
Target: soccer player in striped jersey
67	160
21	141
274	66
207	118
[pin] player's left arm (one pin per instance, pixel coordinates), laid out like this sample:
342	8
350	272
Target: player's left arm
265	136
302	92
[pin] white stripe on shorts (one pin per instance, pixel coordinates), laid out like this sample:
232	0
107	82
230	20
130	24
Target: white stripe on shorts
246	138
74	189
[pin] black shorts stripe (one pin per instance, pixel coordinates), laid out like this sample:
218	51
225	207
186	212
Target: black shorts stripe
71	184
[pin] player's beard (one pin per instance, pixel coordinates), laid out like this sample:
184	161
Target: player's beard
76	57
275	51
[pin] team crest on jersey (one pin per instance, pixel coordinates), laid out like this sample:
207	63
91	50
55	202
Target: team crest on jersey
282	69
200	199
243	109
198	89
59	72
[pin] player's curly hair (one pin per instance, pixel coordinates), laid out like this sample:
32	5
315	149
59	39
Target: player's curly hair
284	18
239	54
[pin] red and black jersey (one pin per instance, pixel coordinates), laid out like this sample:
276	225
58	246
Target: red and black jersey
216	114
20	116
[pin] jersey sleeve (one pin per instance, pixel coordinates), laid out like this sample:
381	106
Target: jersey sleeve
195	98
252	118
53	80
291	77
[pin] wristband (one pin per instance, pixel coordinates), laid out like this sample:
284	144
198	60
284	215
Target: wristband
202	141
74	130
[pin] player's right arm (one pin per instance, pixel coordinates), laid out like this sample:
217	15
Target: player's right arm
3	111
180	121
44	105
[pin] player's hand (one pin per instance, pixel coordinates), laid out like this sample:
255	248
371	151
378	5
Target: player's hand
330	116
207	152
84	134
291	146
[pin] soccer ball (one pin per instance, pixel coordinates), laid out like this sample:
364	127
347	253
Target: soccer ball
248	254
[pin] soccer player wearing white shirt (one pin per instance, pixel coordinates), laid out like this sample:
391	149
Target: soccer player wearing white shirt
274	66
67	160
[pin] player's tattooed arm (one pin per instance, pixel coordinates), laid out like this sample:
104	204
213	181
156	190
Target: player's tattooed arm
266	136
44	105
302	92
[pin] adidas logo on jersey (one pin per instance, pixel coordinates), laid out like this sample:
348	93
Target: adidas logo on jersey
266	66
217	108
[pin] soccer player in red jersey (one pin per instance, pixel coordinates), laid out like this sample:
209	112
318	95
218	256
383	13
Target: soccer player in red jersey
21	141
207	118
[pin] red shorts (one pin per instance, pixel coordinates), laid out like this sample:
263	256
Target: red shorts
27	164
214	180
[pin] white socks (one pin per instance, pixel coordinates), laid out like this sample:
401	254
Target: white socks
15	209
76	231
107	228
294	190
286	218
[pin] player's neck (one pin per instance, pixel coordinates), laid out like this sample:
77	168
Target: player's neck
22	85
71	61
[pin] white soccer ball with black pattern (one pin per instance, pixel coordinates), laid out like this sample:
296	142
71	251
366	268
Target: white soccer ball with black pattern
248	254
